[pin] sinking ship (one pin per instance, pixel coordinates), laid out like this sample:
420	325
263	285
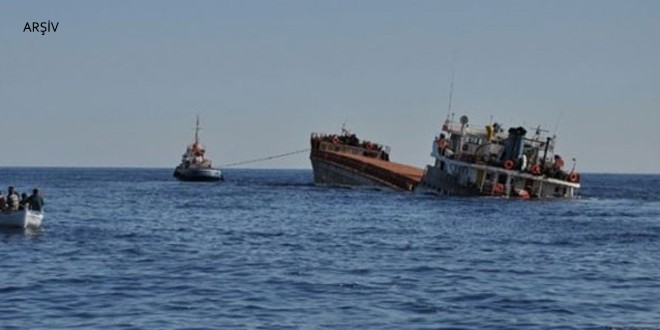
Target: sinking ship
487	160
194	165
345	160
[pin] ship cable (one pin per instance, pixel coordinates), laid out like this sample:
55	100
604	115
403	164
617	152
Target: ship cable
266	158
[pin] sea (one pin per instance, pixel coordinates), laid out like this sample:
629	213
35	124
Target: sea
267	249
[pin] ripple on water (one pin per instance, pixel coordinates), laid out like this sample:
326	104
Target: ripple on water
132	249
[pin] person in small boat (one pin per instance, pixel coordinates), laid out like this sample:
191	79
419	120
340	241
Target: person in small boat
12	199
23	204
36	201
3	202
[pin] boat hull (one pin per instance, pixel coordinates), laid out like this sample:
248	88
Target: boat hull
354	164
21	219
327	173
198	174
470	180
438	182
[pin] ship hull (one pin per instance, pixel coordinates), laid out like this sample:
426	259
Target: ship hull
327	173
198	174
462	179
438	182
352	163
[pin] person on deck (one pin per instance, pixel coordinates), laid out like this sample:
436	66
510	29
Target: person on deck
557	167
442	144
559	162
36	201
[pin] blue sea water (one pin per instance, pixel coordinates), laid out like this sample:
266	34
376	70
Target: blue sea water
266	249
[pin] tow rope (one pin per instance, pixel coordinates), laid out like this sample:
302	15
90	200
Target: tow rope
265	158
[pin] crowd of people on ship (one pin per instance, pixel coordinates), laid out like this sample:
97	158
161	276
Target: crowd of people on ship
15	201
372	149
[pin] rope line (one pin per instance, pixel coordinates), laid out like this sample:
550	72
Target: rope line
265	158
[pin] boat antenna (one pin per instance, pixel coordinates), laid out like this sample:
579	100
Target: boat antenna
197	128
448	121
451	92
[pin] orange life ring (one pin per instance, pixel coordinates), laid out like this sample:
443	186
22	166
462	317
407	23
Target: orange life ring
442	143
536	169
509	164
573	177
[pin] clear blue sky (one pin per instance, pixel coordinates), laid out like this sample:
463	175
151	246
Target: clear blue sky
120	82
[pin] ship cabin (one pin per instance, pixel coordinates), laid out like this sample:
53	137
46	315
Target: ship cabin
492	161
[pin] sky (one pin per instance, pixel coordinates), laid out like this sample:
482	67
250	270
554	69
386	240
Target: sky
120	82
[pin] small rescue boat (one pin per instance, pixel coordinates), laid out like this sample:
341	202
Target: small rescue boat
21	218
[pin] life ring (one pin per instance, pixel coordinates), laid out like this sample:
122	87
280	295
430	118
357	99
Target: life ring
335	140
498	189
536	169
509	164
573	177
442	143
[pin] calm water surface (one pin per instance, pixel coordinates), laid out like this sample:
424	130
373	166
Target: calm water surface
134	249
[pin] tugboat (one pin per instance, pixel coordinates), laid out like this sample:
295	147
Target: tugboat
486	160
346	161
194	166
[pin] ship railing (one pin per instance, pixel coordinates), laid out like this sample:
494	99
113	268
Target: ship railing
317	138
347	149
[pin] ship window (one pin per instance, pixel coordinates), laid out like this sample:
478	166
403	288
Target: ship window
474	139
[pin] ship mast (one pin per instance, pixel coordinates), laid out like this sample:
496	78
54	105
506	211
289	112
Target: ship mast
197	131
451	93
445	126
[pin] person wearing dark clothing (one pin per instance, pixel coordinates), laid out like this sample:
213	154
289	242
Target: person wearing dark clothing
22	205
442	144
36	202
557	167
